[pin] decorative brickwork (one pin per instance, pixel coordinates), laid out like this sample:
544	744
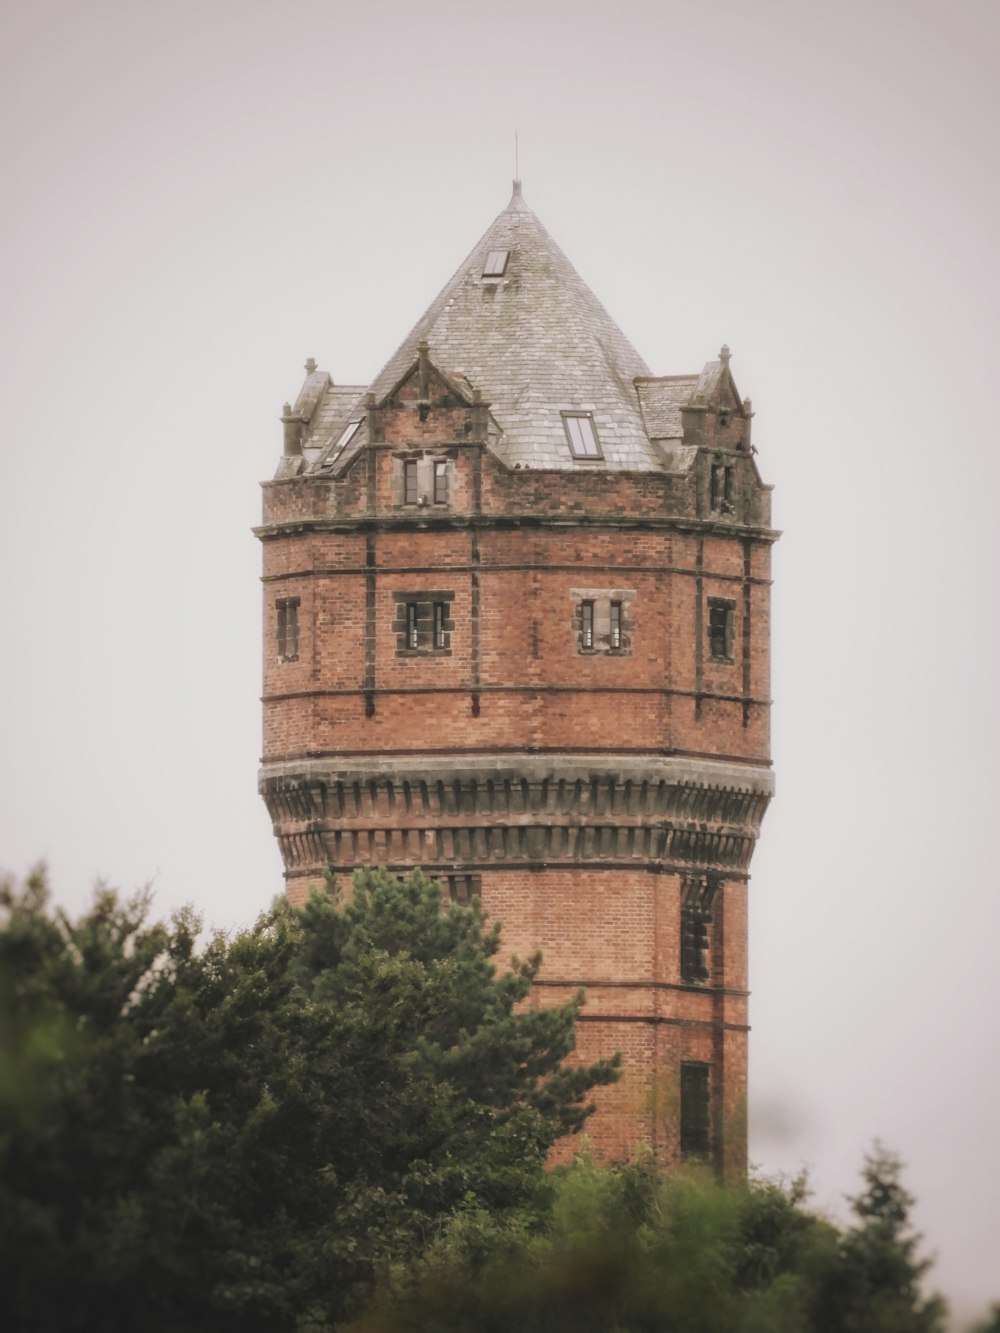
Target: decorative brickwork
539	673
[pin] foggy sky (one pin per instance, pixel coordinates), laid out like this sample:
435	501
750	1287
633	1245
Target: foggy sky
198	196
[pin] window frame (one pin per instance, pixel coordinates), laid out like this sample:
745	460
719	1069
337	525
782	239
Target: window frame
695	1127
722	496
587	613
440	481
583	454
495	263
412	626
616	626
411	482
287	628
727	608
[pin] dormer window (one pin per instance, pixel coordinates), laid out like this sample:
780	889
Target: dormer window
496	264
582	434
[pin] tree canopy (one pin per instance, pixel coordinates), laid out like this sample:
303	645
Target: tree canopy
629	1250
242	1133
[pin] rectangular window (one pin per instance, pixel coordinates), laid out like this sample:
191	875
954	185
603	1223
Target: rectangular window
586	624
423	622
723	488
694	1109
615	634
462	889
288	628
694	945
496	264
410	481
346	435
440	482
582	434
720	629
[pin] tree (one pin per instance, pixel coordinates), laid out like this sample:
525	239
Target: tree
630	1250
241	1135
876	1286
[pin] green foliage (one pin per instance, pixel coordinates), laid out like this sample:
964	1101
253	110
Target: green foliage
242	1135
627	1250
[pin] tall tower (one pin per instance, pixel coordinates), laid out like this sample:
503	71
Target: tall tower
516	632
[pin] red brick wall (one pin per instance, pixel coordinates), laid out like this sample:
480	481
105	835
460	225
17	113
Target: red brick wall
515	551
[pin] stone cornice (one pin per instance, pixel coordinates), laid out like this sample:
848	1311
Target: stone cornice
396	522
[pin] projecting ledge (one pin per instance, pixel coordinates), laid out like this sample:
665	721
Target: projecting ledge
672	770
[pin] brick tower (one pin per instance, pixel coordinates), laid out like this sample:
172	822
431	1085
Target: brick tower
516	632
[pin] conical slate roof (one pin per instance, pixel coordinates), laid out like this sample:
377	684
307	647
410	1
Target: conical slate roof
536	342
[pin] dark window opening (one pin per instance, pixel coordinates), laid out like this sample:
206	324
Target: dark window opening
288	629
723	488
694	1109
462	889
582	434
586	624
720	629
410	481
496	264
423	622
615	632
697	902
440	483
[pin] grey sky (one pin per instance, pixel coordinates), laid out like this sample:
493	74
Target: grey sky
198	196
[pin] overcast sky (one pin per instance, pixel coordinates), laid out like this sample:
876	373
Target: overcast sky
198	196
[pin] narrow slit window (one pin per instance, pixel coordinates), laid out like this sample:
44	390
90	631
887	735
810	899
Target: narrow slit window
720	629
586	624
615	632
496	264
582	435
288	629
440	483
412	634
694	1109
723	488
410	481
440	619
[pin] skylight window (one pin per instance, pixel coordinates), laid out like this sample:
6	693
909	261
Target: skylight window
344	439
346	436
496	264
582	434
